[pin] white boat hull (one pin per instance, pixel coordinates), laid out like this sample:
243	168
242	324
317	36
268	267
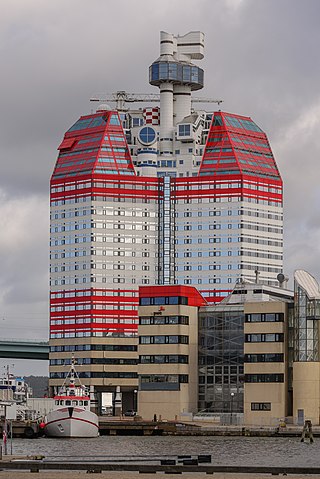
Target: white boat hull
71	422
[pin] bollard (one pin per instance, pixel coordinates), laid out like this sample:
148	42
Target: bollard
307	432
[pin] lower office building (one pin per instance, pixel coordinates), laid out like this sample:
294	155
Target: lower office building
234	354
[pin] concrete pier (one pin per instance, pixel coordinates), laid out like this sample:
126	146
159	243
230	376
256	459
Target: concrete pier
52	470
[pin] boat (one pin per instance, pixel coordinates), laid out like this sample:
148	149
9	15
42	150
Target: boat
71	416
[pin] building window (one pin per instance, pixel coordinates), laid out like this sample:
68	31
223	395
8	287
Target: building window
264	338
175	339
162	300
159	319
264	317
264	378
184	130
264	358
261	406
164	359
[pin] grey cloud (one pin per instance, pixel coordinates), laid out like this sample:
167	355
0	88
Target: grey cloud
261	58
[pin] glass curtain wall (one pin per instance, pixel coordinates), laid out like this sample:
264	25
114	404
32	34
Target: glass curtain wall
221	344
307	315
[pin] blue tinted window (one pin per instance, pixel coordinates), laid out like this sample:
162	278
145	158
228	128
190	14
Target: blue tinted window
81	124
173	300
186	73
147	135
114	120
173	71
184	130
194	74
87	123
137	121
97	121
163	71
217	121
145	301
159	300
154	71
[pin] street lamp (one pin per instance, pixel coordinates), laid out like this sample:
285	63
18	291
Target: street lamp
135	392
231	408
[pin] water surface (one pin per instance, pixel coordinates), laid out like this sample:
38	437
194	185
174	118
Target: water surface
224	450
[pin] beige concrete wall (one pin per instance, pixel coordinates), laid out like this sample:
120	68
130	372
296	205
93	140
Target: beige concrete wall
169	404
274	393
306	390
263	393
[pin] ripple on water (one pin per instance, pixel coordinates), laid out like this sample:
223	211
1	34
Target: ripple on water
224	450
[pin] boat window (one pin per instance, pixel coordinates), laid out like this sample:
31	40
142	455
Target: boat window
61	403
57	403
68	402
80	403
85	403
74	403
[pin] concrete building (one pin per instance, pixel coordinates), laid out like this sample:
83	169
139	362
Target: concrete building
168	351
266	380
230	359
164	195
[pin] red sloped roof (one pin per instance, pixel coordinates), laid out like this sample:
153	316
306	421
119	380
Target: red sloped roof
236	145
95	143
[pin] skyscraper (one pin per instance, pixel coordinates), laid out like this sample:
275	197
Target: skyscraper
167	194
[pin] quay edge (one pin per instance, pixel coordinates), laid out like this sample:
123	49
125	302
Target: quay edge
32	429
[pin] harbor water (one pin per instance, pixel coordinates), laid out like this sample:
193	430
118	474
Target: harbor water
244	451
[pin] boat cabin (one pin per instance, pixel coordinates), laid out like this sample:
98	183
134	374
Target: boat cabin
73	401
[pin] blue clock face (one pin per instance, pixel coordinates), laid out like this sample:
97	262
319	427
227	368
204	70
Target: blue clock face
147	135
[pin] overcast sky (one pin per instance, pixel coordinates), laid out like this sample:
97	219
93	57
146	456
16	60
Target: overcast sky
261	58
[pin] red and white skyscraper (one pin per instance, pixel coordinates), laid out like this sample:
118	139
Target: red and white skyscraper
168	194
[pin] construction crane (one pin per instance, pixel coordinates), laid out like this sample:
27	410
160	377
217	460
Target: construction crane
123	97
